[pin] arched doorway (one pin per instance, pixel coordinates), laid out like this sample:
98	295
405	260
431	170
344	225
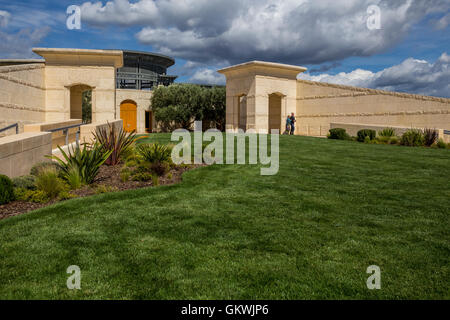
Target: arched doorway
242	112
275	115
81	102
128	113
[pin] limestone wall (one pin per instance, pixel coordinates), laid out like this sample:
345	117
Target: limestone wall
87	130
22	95
142	100
59	80
319	104
58	137
18	153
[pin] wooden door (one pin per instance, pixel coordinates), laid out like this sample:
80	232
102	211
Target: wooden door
128	114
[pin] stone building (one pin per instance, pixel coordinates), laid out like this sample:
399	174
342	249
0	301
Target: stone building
260	95
51	89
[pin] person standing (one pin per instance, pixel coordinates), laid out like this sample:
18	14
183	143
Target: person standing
288	125
293	121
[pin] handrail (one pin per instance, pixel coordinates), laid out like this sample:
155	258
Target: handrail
10	127
65	131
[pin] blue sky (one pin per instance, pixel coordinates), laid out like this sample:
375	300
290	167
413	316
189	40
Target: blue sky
409	52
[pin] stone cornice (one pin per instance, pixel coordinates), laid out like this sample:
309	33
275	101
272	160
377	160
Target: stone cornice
366	114
365	92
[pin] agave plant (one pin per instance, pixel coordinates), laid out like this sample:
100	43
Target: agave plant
115	140
86	160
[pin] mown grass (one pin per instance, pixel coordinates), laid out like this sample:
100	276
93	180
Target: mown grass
226	232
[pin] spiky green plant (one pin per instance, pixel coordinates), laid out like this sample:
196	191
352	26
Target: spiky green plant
115	140
155	152
387	132
87	160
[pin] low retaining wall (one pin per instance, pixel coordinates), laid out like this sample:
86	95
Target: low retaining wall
18	153
353	128
86	130
58	137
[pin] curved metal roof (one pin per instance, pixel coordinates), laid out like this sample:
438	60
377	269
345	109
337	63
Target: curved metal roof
150	57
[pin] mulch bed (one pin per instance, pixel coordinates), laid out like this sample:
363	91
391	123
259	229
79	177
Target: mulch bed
109	176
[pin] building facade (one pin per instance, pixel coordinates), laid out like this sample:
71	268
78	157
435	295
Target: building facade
51	89
260	95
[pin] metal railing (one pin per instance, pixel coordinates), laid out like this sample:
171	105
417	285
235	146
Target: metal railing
65	131
10	127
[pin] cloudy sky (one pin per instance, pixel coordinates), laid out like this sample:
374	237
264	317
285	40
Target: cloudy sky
339	41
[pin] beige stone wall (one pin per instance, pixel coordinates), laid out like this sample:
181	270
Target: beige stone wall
22	95
87	130
18	153
256	81
319	104
59	80
58	137
143	102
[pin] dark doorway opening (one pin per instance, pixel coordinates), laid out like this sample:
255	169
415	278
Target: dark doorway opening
148	121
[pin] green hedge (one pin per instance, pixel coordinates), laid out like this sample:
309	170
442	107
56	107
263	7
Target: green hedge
338	134
362	134
6	190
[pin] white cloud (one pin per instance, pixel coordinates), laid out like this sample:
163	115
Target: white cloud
290	31
412	75
19	44
207	76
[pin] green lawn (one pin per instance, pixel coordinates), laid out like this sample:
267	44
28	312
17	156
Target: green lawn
226	232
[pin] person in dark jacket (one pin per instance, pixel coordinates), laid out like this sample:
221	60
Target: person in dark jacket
293	121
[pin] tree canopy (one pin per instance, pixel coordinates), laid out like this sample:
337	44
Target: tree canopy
179	105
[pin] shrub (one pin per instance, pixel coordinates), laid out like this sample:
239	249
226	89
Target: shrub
42	166
159	168
393	140
49	182
116	141
155	152
412	138
441	144
66	195
362	134
382	139
25	182
387	132
37	196
6	190
141	176
87	160
338	134
170	176
103	188
430	136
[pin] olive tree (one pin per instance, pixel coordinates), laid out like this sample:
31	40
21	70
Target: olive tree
179	105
